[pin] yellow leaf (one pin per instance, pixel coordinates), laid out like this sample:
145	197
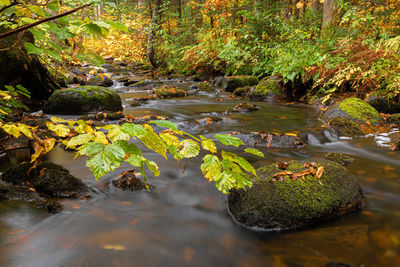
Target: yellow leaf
49	144
12	129
291	134
57	120
101	137
25	129
60	129
92	72
38	151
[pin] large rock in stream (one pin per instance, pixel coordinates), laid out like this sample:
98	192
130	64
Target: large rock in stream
47	178
83	100
276	205
353	117
273	140
230	84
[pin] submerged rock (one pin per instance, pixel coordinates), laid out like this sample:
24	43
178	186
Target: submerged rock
100	80
169	92
245	107
47	178
340	158
268	87
263	139
17	193
292	204
129	182
83	100
353	117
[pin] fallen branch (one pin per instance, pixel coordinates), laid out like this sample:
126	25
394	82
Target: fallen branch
28	26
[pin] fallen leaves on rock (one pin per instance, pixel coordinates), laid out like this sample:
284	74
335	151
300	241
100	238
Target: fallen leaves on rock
311	169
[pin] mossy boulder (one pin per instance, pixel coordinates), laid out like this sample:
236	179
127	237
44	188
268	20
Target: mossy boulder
268	87
230	84
353	117
242	91
46	178
340	158
353	109
292	204
83	100
17	67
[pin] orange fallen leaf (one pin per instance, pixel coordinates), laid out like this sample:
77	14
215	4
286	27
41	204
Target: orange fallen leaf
319	173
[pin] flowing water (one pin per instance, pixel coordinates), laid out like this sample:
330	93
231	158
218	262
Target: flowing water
184	220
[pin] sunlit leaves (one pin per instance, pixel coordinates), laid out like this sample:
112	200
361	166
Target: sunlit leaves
59	129
108	159
134	130
166	124
254	151
115	133
229	140
79	140
211	167
12	129
208	144
190	148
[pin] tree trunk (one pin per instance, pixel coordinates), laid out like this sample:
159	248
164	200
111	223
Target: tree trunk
329	16
154	25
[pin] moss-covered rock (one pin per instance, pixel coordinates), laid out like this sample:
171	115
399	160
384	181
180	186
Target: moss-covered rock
340	158
245	107
169	92
83	100
242	91
268	87
353	117
99	80
353	109
230	84
288	205
205	86
17	67
47	178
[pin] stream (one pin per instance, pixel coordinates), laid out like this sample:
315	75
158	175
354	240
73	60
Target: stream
184	220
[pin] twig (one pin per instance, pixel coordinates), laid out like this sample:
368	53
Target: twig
28	26
10	5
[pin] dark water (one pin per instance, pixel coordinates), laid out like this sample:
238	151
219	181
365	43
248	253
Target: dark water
184	220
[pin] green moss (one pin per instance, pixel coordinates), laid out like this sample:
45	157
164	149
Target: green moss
205	86
293	204
394	118
230	84
267	87
359	110
346	127
242	91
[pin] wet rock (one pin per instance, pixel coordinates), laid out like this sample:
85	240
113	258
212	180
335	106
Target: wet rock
129	182
47	178
118	62
384	104
352	117
169	92
82	100
267	87
293	204
144	83
263	139
208	120
15	143
245	107
242	91
230	84
194	87
109	60
100	81
205	86
103	116
131	81
394	119
340	158
17	193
